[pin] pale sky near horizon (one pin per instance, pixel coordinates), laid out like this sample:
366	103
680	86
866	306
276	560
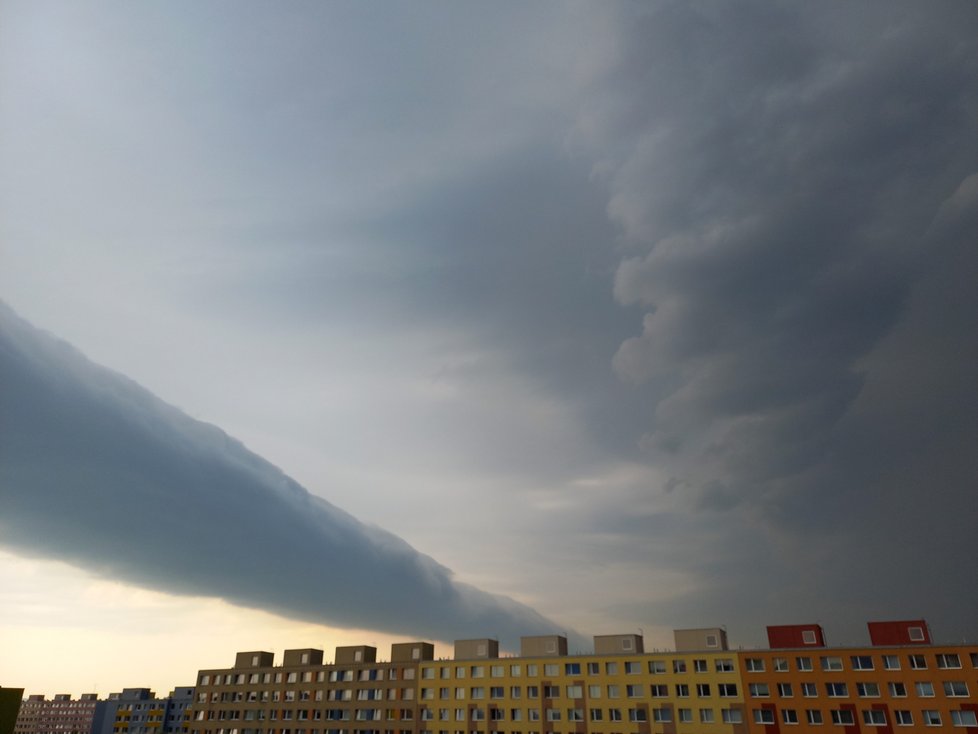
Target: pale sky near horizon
641	315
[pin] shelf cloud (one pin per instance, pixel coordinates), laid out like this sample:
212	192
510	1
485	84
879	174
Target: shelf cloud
98	472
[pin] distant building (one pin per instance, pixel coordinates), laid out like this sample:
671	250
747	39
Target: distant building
797	684
139	711
60	715
9	708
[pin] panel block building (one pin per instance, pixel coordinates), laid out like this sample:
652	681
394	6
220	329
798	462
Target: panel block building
701	687
60	715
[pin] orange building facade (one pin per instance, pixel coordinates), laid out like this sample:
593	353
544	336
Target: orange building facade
902	683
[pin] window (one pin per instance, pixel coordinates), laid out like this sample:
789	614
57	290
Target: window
759	690
836	690
727	690
553	714
637	715
594	691
575	714
497	692
706	716
699	666
947	661
533	714
551	691
917	662
595	714
724	665
614	714
551	670
636	668
955	688
974	659
459	694
808	637
655	666
925	689
931	717
678	666
868	690
684	715
789	716
682	690
754	665
613	691
659	690
611	668
531	670
780	665
460	672
897	689
662	716
575	691
633	691
874	717
514	671
478	671
861	662
497	671
916	634
804	664
712	641
732	716
497	714
831	663
785	690
572	669
703	690
903	718
891	662
964	718
532	692
843	717
814	716
593	668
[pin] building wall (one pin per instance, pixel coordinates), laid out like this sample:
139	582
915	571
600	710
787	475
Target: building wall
60	715
684	692
9	708
810	690
140	711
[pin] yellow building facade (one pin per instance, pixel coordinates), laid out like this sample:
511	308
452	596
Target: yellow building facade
701	687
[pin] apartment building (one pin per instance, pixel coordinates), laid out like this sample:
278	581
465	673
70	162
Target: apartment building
140	711
798	683
901	682
60	715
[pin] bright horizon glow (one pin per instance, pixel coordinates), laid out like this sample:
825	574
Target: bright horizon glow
61	626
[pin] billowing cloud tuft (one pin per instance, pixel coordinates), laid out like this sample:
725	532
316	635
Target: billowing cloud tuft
97	471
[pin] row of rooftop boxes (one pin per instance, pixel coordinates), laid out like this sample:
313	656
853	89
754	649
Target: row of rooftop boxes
906	632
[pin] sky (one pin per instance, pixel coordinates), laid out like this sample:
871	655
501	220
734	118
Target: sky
330	323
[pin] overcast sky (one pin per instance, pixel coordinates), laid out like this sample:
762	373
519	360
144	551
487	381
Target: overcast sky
619	316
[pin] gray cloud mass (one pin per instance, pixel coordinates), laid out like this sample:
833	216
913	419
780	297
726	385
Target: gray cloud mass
97	471
691	285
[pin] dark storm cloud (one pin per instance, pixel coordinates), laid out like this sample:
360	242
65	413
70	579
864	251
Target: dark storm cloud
96	471
792	190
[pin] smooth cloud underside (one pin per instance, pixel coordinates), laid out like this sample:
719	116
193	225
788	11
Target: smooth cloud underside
97	471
